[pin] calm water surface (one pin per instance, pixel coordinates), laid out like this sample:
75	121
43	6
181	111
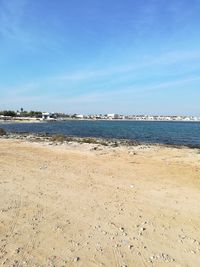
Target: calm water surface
179	133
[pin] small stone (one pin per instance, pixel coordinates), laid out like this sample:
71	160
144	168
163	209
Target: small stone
76	259
142	229
17	250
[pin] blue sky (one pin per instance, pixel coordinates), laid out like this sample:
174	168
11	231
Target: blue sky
100	56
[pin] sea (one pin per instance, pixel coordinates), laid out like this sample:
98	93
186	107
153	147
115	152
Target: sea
173	133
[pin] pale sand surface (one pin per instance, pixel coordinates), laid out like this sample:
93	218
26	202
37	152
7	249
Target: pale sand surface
70	205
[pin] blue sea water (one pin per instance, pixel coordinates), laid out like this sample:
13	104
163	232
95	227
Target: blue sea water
176	133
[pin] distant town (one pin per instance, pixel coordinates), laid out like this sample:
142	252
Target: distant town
36	116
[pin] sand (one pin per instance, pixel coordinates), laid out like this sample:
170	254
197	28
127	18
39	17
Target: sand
86	205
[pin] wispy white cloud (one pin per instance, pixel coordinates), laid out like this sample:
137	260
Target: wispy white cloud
124	92
15	24
97	100
167	59
111	76
11	15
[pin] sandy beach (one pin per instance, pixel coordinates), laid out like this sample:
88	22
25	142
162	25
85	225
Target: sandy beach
91	205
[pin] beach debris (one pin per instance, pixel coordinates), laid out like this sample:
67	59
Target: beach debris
4	210
99	247
43	167
121	229
5	261
162	257
142	229
18	250
132	153
15	263
50	143
76	259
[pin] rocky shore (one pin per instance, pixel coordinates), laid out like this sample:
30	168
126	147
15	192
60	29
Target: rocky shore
58	139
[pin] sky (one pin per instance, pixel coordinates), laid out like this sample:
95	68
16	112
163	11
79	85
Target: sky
100	56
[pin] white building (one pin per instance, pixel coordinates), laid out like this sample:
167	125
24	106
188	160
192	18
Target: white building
112	116
48	116
79	116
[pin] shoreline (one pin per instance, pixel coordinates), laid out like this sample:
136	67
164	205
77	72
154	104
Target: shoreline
109	142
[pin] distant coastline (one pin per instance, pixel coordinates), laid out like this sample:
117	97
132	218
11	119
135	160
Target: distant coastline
35	120
40	116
